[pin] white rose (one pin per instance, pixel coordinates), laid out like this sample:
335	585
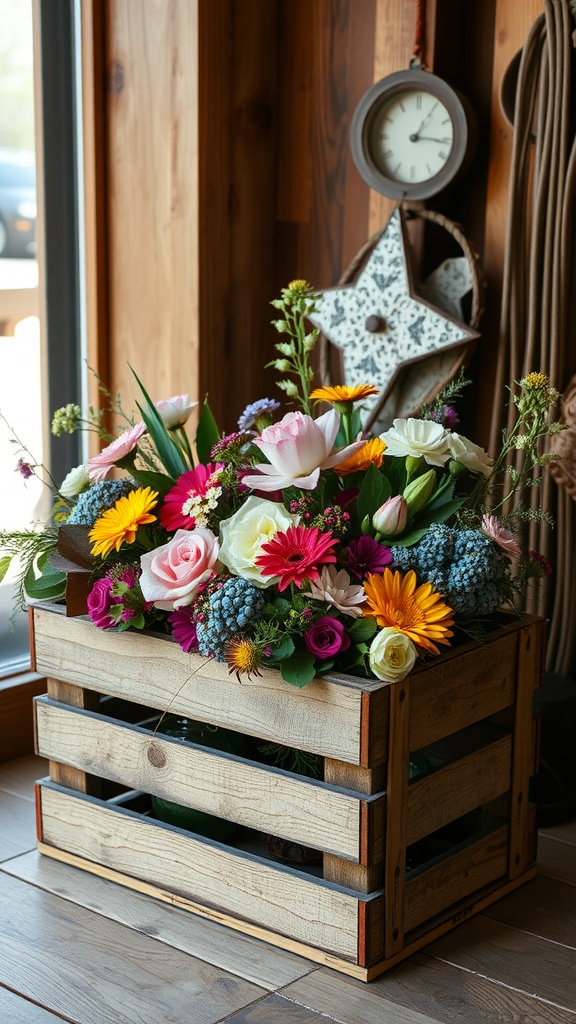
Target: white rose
75	482
175	411
418	438
392	655
470	455
242	536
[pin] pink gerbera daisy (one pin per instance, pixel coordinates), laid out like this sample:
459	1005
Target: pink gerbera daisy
100	465
195	494
295	555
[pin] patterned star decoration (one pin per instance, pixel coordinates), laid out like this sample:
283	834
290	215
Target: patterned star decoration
378	322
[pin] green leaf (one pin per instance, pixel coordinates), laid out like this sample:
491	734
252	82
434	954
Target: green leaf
282	605
284	650
168	452
156	481
374	491
4	565
362	630
207	434
299	668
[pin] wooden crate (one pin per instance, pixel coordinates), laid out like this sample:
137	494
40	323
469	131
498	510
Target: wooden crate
403	860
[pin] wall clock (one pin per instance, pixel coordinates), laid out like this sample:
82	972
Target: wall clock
412	134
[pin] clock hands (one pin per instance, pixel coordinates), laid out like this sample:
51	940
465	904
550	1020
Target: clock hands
428	138
416	135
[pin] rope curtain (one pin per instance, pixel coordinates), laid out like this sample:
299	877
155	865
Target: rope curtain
539	289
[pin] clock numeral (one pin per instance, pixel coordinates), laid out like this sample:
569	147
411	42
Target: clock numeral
442	154
418	102
429	169
412	171
387	154
446	142
447	120
396	169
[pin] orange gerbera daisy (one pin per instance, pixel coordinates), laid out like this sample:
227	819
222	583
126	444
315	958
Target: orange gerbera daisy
418	612
119	524
371	451
343	393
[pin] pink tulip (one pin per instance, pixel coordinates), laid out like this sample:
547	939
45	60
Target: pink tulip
175	411
297	448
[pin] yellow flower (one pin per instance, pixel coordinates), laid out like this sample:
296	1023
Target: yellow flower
536	380
343	393
418	612
119	524
371	451
300	286
242	655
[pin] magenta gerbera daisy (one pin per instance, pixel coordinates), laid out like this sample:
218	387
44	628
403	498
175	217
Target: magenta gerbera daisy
294	556
194	495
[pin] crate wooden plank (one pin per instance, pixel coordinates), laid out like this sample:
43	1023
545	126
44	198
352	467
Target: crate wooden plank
396	811
459	787
143	669
66	774
455	877
454	693
530	671
260	797
310	910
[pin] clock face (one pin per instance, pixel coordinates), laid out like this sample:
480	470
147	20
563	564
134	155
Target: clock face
411	136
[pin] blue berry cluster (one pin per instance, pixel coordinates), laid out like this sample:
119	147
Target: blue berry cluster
465	566
230	610
97	499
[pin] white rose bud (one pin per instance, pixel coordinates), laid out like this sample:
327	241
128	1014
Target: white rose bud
392	655
75	482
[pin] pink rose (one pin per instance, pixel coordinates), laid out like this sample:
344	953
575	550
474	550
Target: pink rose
297	448
100	465
100	601
172	573
327	637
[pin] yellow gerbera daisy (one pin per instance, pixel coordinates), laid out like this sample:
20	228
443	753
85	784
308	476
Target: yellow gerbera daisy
418	612
371	451
119	524
343	393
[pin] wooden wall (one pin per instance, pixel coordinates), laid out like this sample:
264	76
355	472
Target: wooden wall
219	169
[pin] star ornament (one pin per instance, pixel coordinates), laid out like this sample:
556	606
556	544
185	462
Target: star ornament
378	322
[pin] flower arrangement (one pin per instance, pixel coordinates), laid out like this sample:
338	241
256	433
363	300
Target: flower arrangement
298	542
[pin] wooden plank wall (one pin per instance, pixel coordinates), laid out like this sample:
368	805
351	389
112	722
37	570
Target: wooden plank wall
227	170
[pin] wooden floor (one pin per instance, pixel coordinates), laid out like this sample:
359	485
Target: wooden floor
74	947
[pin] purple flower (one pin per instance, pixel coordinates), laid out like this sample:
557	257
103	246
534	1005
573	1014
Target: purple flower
24	468
184	629
367	555
260	410
450	417
100	601
327	637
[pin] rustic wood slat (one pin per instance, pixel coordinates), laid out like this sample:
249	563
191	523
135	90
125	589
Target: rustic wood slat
131	665
530	671
460	787
250	959
455	877
65	774
93	949
455	693
276	897
257	796
396	816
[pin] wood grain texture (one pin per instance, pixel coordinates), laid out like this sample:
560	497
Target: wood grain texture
258	797
160	674
66	774
278	1009
460	787
395	922
87	947
511	956
250	959
17	825
531	643
544	907
275	897
422	990
152	196
19	1011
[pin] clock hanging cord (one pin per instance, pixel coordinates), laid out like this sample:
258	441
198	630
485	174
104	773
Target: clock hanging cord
538	315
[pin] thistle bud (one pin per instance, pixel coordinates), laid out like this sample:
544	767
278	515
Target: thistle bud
419	491
390	519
